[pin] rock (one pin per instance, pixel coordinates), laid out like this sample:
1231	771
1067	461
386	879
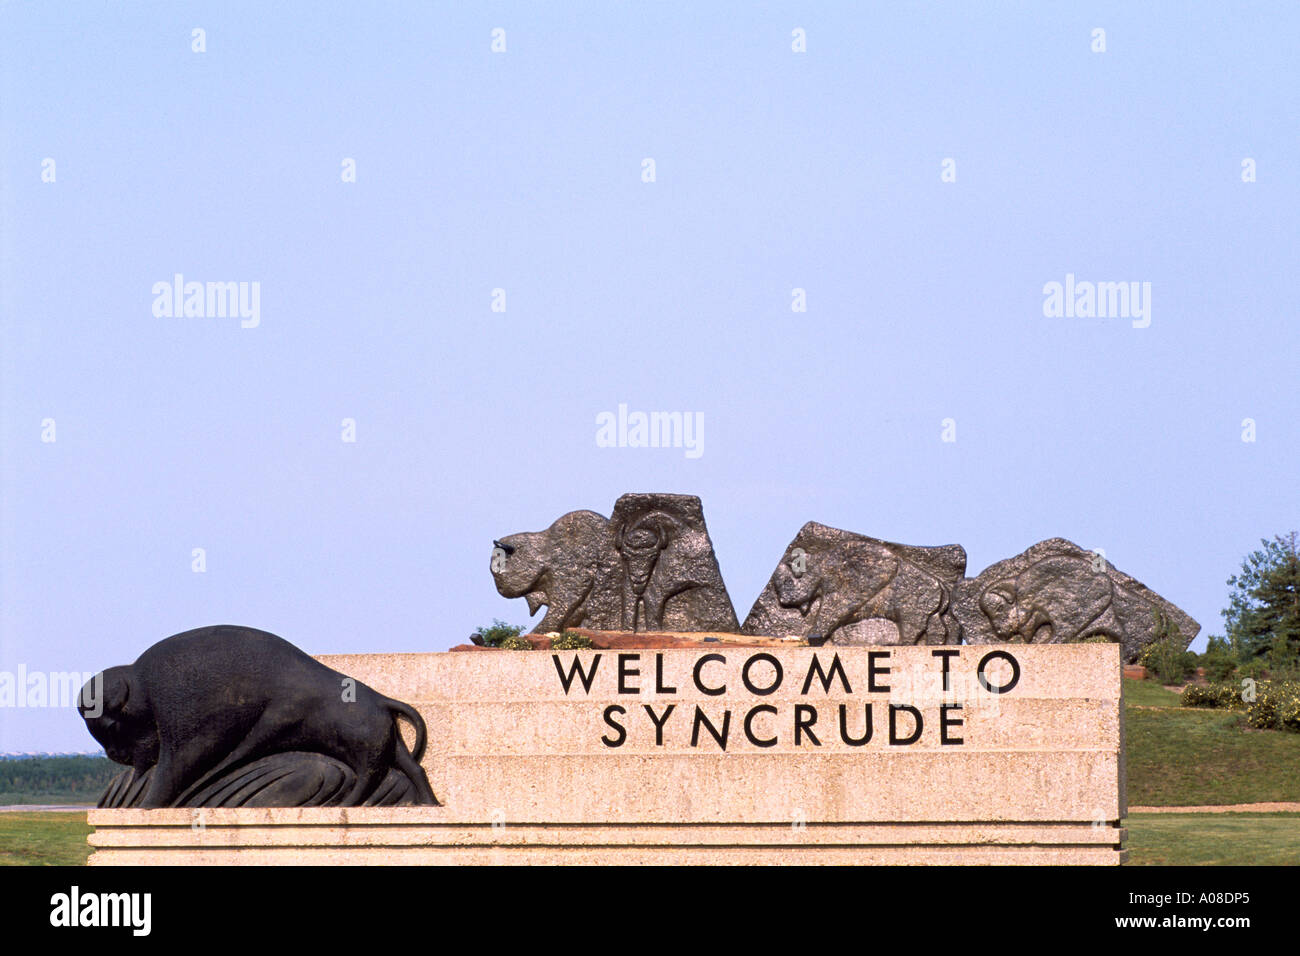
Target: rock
648	567
830	581
1058	593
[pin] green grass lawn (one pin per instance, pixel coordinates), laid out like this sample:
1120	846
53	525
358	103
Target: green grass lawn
1213	839
1147	693
43	838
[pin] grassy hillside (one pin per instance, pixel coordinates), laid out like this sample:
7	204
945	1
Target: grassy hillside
55	779
1190	757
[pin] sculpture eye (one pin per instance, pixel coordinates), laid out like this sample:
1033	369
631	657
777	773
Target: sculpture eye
998	597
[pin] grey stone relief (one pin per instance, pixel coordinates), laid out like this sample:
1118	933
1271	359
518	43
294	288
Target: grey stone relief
648	567
830	579
651	566
1058	593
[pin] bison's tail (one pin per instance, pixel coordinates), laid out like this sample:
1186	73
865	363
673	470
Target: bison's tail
411	714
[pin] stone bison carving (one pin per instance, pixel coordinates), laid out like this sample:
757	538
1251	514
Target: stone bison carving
830	579
572	568
233	716
1058	593
650	566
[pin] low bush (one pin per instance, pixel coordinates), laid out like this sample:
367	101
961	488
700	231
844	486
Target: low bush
1223	696
496	634
1168	662
1165	655
570	641
1276	706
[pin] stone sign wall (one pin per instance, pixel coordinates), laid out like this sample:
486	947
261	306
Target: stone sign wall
906	754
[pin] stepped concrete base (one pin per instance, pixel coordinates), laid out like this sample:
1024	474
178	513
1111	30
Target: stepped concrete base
438	836
715	754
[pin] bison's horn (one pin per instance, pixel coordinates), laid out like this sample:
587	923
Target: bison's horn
509	549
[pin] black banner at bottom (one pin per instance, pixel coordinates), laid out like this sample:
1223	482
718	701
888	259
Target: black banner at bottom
925	905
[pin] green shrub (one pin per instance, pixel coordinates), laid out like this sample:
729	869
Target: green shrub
515	643
1218	660
497	634
1169	663
1262	712
1288	713
570	641
1222	696
1276	706
1165	656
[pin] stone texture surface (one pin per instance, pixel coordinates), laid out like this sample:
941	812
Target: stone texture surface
1057	593
587	855
439	835
831	581
527	772
234	716
649	567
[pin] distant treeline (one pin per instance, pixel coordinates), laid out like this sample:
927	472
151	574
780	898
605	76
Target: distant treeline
74	779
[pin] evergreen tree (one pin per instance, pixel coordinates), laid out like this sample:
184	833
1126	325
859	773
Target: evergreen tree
1263	613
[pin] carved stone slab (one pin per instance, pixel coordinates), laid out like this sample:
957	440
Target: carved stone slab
649	567
1058	593
829	581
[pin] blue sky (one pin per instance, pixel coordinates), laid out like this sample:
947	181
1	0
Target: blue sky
522	171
